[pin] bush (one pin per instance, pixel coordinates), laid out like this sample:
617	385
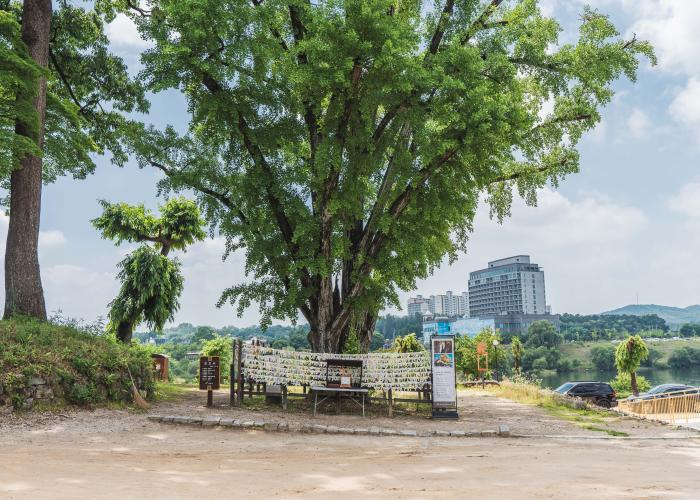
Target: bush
603	358
623	386
540	364
222	347
685	357
79	367
408	343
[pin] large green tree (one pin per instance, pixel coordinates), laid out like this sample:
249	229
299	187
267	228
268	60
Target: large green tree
346	144
151	282
62	95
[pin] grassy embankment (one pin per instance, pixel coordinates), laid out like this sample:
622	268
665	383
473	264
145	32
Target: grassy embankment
584	416
581	351
42	364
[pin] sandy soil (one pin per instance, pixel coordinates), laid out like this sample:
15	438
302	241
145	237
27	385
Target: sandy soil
120	454
160	461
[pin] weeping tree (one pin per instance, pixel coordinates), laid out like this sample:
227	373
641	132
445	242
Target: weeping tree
62	95
151	283
346	145
629	356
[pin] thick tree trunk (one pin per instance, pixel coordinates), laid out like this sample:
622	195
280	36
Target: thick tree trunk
125	330
23	291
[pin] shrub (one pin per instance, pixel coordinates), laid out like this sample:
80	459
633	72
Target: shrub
80	367
408	343
222	347
603	358
540	364
622	384
685	357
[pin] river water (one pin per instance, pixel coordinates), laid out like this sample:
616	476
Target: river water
689	376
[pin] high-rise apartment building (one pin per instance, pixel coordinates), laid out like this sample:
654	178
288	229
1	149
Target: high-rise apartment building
418	305
512	285
449	304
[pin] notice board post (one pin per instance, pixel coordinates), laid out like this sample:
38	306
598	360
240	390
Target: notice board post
442	362
209	376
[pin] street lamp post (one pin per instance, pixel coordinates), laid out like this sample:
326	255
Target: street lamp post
495	359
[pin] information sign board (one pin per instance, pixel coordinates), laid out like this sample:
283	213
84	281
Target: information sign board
442	360
209	373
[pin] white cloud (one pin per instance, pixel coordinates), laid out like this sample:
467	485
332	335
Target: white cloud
582	244
685	108
687	200
638	123
52	238
123	34
672	28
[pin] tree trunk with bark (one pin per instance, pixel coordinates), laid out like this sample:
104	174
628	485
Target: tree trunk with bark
24	294
633	383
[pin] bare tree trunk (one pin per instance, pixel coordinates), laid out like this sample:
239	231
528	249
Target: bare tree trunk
23	291
633	383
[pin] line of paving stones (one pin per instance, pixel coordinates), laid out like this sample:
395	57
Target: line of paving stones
502	431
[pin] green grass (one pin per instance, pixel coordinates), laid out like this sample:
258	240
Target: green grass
558	406
80	368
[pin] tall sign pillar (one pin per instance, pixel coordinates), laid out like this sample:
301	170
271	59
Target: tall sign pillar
442	361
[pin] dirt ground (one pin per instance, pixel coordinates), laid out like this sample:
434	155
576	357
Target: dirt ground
120	454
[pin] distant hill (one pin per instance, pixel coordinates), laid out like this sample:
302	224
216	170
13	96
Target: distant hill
674	316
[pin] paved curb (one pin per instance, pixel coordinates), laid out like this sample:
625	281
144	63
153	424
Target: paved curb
231	423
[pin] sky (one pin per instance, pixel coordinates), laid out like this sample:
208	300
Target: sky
624	229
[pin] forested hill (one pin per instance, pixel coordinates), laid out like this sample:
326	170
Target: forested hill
674	316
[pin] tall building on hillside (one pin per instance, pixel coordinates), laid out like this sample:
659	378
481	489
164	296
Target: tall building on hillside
449	304
512	285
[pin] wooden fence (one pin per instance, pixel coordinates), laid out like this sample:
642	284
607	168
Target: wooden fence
674	407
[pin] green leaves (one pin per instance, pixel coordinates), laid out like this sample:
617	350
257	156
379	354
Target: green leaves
151	282
88	92
179	225
19	79
352	141
151	286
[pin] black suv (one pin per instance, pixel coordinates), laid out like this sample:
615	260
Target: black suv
598	393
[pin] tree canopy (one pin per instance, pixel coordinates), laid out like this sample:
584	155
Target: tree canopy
542	333
629	356
151	282
346	144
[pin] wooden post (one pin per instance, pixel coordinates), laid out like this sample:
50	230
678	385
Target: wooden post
284	397
391	409
239	374
210	398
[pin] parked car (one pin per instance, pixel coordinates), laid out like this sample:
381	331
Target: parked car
665	390
599	393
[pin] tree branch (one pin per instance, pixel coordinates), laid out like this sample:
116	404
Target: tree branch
64	79
481	21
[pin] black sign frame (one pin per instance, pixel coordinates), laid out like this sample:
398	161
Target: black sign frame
209	373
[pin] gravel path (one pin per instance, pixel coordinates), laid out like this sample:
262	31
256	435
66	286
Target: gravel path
478	411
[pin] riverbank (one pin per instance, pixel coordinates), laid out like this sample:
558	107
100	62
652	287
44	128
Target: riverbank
579	353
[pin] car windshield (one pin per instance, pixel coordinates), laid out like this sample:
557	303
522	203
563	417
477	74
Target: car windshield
564	387
658	389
